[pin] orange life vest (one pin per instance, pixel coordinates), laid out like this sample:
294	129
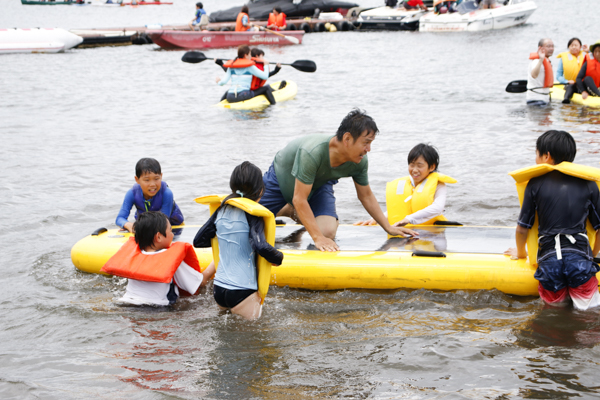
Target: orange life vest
129	262
256	81
239	27
548	74
592	69
276	20
239	63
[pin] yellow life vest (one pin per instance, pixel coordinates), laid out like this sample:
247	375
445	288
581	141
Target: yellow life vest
402	199
524	175
571	64
252	208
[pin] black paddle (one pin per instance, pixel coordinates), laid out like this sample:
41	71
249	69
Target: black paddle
195	57
519	87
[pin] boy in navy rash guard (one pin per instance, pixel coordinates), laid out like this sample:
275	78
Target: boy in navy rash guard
563	204
149	193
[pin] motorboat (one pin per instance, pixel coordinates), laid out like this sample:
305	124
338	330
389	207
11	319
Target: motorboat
389	18
172	39
37	40
470	18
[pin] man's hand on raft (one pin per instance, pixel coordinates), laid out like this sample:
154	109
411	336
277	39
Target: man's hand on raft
325	244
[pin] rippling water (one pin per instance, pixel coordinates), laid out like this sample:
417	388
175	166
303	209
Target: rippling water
73	125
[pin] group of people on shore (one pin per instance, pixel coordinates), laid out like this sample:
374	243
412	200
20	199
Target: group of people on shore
578	70
299	184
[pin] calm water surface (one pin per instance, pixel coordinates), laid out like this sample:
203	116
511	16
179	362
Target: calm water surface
73	125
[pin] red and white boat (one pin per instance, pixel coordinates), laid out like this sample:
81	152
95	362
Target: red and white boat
169	39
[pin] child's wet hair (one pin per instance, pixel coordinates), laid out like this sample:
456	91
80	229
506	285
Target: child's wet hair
356	122
148	224
246	181
256	52
559	144
429	153
146	165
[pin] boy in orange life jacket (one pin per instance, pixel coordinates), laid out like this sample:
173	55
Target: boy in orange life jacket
155	268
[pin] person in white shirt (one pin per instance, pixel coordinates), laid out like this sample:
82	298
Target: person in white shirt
540	77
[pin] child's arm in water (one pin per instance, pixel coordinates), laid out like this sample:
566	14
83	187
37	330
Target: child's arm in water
124	212
259	243
206	232
435	209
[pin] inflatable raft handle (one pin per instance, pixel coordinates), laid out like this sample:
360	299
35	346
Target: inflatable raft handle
423	253
99	231
451	223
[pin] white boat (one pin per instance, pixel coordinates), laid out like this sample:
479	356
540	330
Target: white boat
515	12
388	18
37	40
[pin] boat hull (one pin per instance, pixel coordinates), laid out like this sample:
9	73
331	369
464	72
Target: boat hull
478	20
212	40
38	40
287	93
461	258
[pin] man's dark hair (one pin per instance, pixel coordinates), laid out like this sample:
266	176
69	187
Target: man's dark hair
559	144
147	165
256	52
245	9
356	122
148	224
428	152
278	9
199	5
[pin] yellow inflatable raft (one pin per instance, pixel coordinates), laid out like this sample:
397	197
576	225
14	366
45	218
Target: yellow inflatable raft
284	94
558	94
443	258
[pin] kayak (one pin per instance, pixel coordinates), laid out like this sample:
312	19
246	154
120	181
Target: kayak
442	258
287	93
558	94
37	40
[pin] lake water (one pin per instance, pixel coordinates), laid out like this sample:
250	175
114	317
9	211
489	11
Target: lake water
73	125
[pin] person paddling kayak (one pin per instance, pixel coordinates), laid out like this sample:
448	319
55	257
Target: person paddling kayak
240	71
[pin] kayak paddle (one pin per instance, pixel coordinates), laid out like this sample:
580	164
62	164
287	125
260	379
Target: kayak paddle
519	87
195	57
289	38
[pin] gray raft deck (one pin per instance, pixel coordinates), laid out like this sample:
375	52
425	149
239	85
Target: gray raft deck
446	239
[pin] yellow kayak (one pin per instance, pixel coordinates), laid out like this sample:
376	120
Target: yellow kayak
558	94
442	258
287	93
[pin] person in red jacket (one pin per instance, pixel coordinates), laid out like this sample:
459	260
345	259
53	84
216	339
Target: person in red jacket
276	20
588	78
414	4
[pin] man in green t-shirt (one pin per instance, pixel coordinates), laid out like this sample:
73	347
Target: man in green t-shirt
304	172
